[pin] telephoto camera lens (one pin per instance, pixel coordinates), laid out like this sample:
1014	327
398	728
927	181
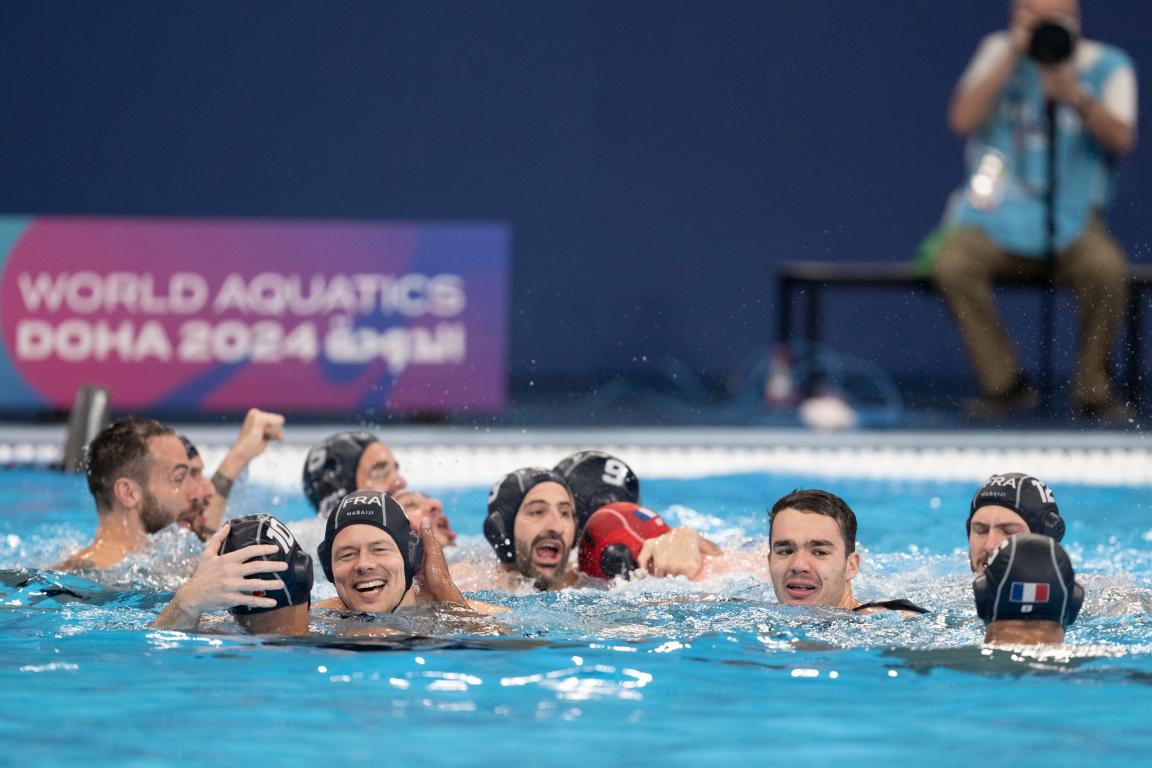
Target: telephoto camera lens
1052	43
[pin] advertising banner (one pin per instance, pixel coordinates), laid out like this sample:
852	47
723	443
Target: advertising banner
215	315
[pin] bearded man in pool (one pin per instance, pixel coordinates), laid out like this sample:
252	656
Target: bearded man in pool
140	478
812	555
1006	505
534	520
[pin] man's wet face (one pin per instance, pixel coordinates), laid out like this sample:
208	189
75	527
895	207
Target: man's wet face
169	490
989	528
808	560
378	470
544	533
418	506
192	516
368	569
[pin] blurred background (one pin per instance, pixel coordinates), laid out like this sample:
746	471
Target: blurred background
652	161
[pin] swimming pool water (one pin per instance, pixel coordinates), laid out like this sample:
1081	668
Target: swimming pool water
663	671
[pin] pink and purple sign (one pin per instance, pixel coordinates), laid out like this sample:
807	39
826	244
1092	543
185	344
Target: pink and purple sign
192	315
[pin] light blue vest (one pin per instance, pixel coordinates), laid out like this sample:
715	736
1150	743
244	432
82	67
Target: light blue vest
1017	130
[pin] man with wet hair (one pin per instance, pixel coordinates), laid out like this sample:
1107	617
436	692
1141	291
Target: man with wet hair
418	505
140	478
254	568
1008	504
1028	593
193	518
812	555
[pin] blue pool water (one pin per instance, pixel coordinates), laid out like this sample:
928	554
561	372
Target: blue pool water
655	671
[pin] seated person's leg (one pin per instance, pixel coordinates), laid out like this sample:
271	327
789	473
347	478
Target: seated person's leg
1095	268
964	269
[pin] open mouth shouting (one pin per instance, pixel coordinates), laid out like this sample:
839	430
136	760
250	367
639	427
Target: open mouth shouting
548	551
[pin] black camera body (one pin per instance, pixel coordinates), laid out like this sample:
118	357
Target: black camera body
1053	42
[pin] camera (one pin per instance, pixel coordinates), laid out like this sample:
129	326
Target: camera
1053	42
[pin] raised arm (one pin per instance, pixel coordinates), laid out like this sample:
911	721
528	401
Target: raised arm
990	68
434	582
259	429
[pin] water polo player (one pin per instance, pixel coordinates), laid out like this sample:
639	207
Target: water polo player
139	476
1028	592
531	524
253	567
1006	505
812	555
378	563
597	479
348	461
193	518
614	537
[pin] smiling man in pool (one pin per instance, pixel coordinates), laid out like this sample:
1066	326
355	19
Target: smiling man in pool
812	555
140	478
378	563
254	567
1006	505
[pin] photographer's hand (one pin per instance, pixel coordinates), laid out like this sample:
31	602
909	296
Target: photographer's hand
1062	84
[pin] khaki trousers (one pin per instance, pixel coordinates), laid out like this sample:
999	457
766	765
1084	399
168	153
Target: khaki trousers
968	264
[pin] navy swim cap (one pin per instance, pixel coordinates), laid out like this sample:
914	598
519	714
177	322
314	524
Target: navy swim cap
1024	495
504	502
330	468
1029	577
380	510
597	478
265	529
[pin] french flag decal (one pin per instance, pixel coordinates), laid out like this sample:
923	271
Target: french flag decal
643	514
1027	592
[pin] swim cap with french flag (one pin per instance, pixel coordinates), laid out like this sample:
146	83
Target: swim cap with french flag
1029	578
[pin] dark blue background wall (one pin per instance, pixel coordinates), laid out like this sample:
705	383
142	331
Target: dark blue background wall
653	158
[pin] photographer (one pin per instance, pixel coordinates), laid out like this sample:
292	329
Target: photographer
1036	80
